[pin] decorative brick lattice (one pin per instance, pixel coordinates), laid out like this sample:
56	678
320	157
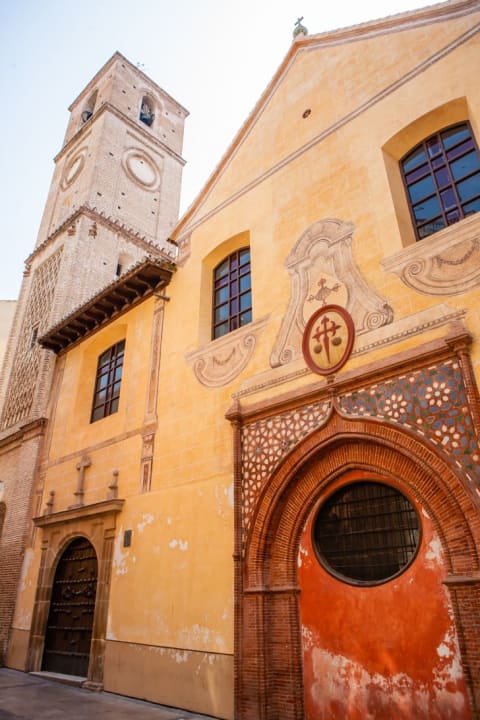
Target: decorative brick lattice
19	401
432	402
266	442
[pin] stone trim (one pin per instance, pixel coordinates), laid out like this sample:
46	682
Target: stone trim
59	529
445	263
219	362
106	507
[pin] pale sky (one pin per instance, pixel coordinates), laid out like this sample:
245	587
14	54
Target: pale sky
214	57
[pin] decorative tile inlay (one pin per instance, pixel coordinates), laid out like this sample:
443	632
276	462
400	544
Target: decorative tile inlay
432	402
267	441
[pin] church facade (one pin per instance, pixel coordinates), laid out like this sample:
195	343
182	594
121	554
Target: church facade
256	488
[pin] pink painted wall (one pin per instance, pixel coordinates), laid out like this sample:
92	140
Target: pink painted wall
388	652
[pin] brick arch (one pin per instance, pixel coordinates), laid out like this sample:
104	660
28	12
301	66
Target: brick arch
271	681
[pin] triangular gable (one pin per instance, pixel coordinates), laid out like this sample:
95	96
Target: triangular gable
259	149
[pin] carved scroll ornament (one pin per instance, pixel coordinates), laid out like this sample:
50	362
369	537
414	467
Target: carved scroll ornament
322	269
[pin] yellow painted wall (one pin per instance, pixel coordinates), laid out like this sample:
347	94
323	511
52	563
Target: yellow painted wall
173	588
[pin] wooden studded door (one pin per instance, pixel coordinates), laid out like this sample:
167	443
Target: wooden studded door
72	606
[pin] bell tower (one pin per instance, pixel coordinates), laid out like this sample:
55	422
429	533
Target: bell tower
114	198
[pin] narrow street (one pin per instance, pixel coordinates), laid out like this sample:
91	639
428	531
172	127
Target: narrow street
29	697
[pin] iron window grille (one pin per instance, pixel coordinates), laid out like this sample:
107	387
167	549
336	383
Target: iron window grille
232	293
366	533
108	380
442	179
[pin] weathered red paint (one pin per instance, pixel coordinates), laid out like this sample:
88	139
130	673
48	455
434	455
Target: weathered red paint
383	652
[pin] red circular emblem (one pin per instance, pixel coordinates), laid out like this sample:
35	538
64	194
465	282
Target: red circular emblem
328	339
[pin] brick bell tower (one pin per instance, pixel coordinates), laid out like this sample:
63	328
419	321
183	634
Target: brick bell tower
114	198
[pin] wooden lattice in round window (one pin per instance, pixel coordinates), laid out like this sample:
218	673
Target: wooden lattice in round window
366	533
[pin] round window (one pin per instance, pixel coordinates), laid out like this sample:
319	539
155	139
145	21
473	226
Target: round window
366	533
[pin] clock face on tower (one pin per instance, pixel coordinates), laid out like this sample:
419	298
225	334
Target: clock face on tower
73	168
141	168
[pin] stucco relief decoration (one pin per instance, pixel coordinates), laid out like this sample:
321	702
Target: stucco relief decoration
267	441
141	168
322	270
432	402
73	168
446	263
220	361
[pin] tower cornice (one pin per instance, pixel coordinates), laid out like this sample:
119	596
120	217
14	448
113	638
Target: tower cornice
105	221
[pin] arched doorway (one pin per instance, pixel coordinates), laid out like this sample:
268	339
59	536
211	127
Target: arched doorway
271	630
72	606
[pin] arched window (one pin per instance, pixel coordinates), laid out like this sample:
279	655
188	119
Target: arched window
442	178
232	294
146	114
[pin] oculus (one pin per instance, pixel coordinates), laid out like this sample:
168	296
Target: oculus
366	533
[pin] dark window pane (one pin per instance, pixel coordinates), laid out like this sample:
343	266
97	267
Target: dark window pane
431	227
449	200
434	147
465	165
246	317
438	162
417	157
221	313
426	209
234	288
453	217
472	207
455	135
221	295
420	172
442	177
460	150
222	269
245	283
421	189
246	301
234	323
469	188
221	330
234	306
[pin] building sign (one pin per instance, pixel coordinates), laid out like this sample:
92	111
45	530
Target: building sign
328	339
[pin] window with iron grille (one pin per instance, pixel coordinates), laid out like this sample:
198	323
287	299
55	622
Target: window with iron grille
108	380
366	533
232	293
442	178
